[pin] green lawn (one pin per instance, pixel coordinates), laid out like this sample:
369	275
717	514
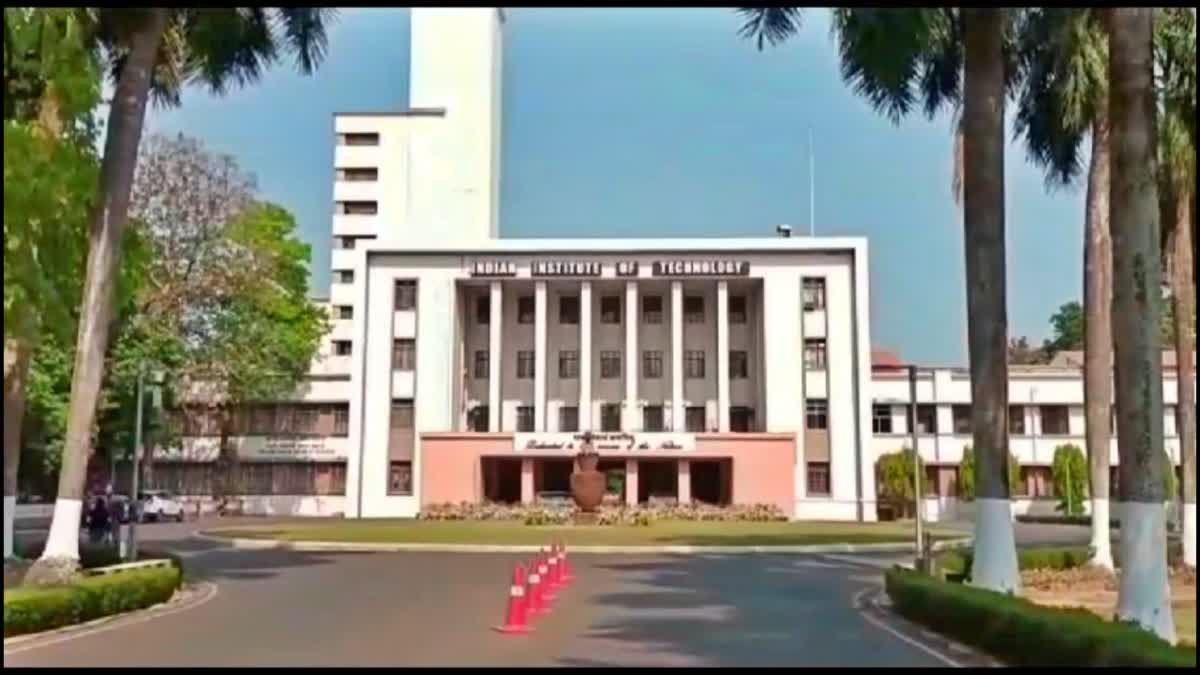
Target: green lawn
695	533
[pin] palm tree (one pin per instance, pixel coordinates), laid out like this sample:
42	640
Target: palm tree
947	57
1143	597
151	49
1063	98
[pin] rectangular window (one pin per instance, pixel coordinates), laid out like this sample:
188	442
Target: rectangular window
358	175
1016	420
341	421
356	208
814	353
652	418
345	276
881	419
406	295
345	243
610	365
610	309
652	364
341	347
816	413
741	419
693	309
652	309
345	312
525	365
737	309
818	479
525	418
402	414
568	418
568	364
400	478
926	419
568	310
359	138
739	365
1055	420
482	364
694	418
814	293
305	419
610	417
483	310
477	419
962	419
525	309
693	362
404	354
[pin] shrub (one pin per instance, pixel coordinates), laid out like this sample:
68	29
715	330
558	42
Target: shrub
607	514
1069	472
956	563
966	475
1021	633
894	478
31	610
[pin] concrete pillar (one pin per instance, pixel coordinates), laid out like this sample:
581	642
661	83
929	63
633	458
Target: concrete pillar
495	342
631	482
684	487
723	356
677	421
539	357
585	356
629	411
526	481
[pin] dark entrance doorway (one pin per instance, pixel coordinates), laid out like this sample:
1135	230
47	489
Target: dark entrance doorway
711	481
658	479
501	479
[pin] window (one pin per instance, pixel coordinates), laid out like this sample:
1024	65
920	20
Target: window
652	364
568	418
693	363
610	417
358	175
652	418
818	478
741	419
400	478
482	364
693	309
814	294
926	419
341	421
739	366
305	419
345	243
568	364
345	276
610	309
962	419
1054	420
568	310
816	413
477	419
483	310
404	354
525	309
525	418
341	347
694	418
652	309
345	312
360	138
525	365
406	295
610	364
814	353
356	208
402	415
1016	420
737	309
881	419
283	420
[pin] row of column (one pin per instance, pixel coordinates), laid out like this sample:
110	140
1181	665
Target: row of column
632	360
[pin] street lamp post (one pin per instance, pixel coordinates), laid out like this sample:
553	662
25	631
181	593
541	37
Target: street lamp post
156	381
917	497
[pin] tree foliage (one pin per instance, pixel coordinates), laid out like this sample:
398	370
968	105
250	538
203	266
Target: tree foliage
1069	472
894	478
966	474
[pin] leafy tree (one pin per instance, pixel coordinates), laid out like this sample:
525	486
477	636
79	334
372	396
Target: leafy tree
1066	326
1070	475
966	474
894	477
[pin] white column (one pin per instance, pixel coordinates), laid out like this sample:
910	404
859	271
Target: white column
526	481
723	356
539	357
677	422
631	482
585	356
495	341
684	482
629	416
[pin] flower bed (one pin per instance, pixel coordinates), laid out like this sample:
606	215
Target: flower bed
562	514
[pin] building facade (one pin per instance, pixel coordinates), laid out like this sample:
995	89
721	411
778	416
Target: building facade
462	366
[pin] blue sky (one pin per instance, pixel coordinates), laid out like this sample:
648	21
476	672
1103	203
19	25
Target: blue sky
663	122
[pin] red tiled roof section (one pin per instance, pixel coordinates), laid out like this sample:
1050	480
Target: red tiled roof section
885	358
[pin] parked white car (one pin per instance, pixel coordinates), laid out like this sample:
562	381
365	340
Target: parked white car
159	505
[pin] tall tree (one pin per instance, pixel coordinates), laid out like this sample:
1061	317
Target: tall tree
1143	596
162	47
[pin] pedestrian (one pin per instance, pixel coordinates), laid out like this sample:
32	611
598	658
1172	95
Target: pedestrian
100	522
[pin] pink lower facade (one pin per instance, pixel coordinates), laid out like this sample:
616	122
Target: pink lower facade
742	469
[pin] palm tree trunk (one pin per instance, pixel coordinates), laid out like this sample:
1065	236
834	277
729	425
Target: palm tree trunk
17	354
1097	339
126	117
1137	273
1184	298
995	564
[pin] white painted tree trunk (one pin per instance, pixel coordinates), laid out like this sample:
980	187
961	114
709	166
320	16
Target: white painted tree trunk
63	540
1189	535
995	564
1101	545
1145	594
10	508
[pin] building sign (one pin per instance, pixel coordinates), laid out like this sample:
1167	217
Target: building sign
493	268
565	268
294	448
627	268
701	268
604	442
261	448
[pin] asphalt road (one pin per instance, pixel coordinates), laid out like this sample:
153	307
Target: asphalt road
282	608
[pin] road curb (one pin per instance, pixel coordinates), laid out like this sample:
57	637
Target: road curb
350	547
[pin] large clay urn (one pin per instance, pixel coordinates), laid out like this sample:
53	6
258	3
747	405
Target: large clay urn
587	484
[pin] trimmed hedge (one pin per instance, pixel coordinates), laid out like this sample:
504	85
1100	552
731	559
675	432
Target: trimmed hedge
956	563
32	610
1065	520
1021	633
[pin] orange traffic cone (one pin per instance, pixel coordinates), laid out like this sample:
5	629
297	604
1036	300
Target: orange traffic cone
537	602
546	569
516	619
